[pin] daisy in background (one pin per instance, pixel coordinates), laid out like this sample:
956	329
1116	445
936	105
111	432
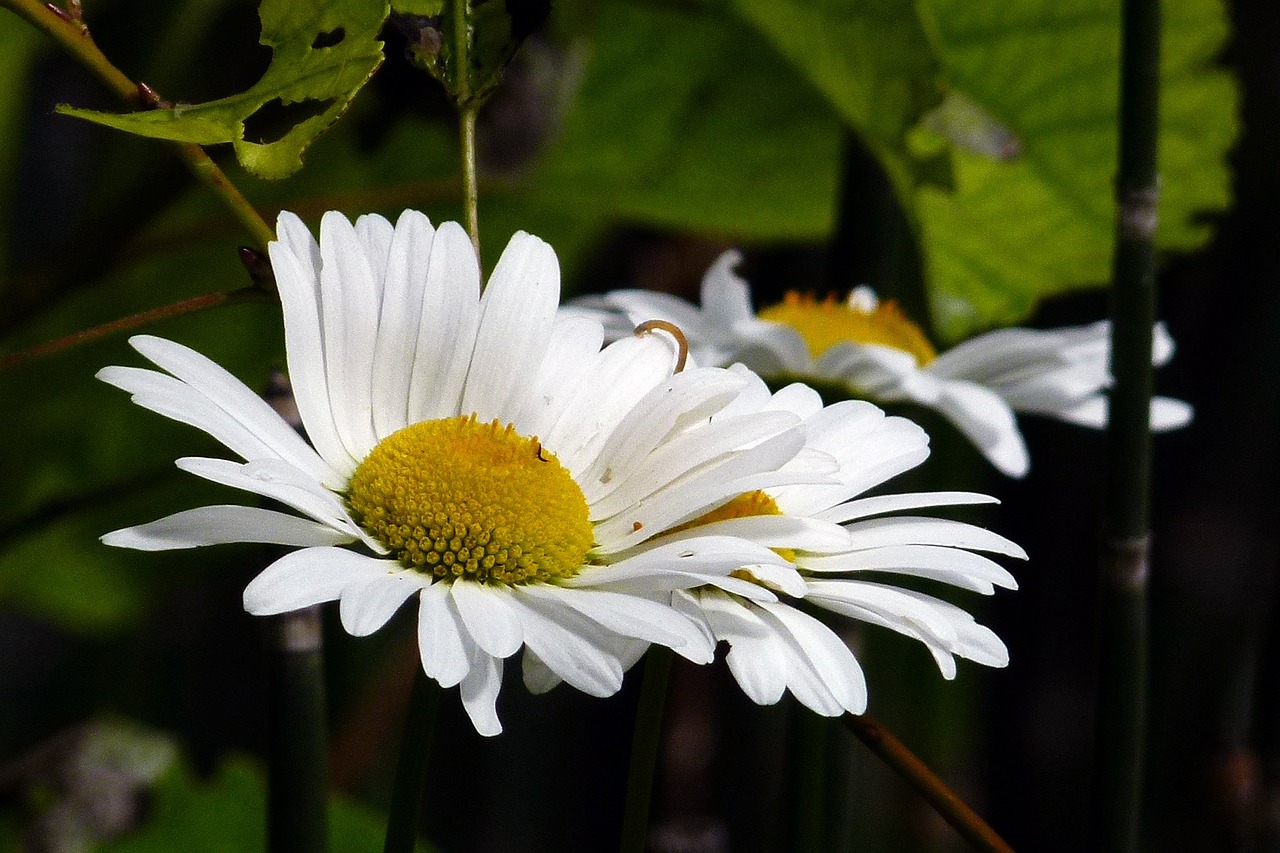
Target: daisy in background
872	350
478	454
846	550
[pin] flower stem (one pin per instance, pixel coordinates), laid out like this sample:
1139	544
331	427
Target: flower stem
411	771
297	761
952	809
1122	691
645	741
72	35
470	188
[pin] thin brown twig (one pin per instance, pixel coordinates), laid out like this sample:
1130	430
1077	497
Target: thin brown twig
72	35
134	321
946	802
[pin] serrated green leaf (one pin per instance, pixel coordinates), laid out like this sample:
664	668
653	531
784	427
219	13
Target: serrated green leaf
1021	227
322	54
871	58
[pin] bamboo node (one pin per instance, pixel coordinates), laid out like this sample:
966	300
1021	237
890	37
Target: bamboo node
1128	562
298	632
1139	212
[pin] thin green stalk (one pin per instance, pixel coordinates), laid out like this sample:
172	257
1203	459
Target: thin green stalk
1122	695
808	751
72	35
411	771
298	756
470	184
948	805
645	742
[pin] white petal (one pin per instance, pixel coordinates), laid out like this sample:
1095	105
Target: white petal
679	565
913	530
444	654
830	658
479	691
446	335
232	396
879	505
375	234
948	565
574	345
988	422
631	616
489	617
217	525
563	641
403	290
350	300
756	659
307	577
517	310
298	285
538	677
370	604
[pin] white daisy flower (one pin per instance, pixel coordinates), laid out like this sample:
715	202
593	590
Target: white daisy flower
481	454
846	550
871	349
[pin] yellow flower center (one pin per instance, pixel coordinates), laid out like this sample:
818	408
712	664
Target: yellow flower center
826	323
746	505
458	498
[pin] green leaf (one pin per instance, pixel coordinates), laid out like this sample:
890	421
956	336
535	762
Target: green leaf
1032	214
871	58
687	118
18	42
227	814
322	54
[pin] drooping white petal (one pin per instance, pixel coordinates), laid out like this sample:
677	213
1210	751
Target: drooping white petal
218	525
440	641
830	658
563	641
368	605
307	577
516	314
446	335
756	660
479	690
538	677
913	530
988	422
489	617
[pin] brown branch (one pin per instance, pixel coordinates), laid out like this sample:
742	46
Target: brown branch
133	321
953	810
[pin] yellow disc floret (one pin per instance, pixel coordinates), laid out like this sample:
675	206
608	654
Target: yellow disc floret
830	321
463	499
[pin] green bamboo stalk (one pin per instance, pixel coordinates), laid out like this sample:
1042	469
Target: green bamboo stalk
72	35
298	756
645	742
948	805
1122	696
411	771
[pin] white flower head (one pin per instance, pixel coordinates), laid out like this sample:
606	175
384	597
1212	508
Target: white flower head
875	351
473	452
846	550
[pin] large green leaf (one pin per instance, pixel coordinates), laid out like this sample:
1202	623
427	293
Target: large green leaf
871	58
1036	217
322	54
686	118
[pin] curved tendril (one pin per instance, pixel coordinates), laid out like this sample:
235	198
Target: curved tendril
651	326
